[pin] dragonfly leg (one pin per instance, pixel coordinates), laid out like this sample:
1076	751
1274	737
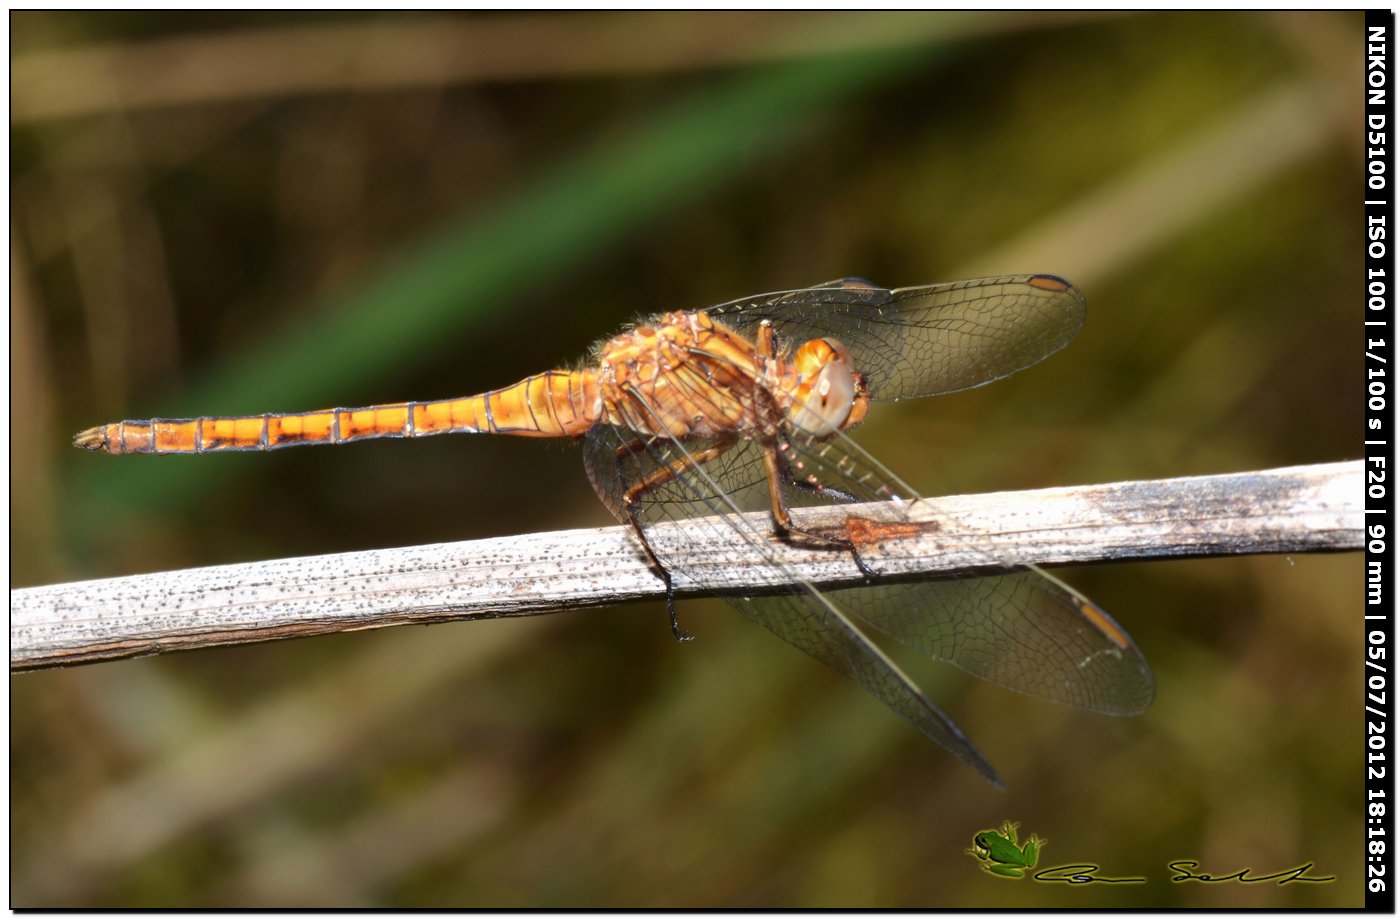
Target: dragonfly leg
778	474
653	480
845	542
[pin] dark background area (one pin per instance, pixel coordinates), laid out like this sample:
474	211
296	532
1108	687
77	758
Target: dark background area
252	212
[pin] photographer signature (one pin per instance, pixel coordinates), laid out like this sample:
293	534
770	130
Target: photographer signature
1183	870
1003	855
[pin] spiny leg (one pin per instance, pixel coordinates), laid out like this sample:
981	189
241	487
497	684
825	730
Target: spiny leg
777	473
653	480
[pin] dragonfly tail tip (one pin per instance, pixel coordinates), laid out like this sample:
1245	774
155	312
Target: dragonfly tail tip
94	439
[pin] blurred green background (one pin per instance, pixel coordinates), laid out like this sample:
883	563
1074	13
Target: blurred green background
251	212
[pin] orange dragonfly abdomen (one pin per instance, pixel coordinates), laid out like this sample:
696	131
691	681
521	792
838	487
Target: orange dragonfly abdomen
557	403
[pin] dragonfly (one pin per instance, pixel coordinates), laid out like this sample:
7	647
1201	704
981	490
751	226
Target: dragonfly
692	421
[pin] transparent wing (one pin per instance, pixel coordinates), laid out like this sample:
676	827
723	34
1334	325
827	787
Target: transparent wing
1024	630
709	499
923	341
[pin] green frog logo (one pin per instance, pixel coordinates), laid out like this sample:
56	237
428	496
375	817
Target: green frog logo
1001	855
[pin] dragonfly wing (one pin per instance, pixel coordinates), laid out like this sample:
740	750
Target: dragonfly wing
923	341
709	500
1024	630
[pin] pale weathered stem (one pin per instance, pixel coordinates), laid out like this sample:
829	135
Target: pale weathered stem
1299	509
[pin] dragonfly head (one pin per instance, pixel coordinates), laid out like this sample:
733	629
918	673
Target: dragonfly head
830	395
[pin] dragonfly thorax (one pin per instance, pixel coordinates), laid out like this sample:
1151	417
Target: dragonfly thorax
688	375
684	376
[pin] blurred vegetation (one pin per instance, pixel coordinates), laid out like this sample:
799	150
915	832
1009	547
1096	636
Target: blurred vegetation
254	211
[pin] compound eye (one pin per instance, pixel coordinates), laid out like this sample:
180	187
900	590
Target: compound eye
818	353
828	402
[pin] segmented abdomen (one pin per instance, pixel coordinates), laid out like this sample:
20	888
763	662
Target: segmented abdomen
554	404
